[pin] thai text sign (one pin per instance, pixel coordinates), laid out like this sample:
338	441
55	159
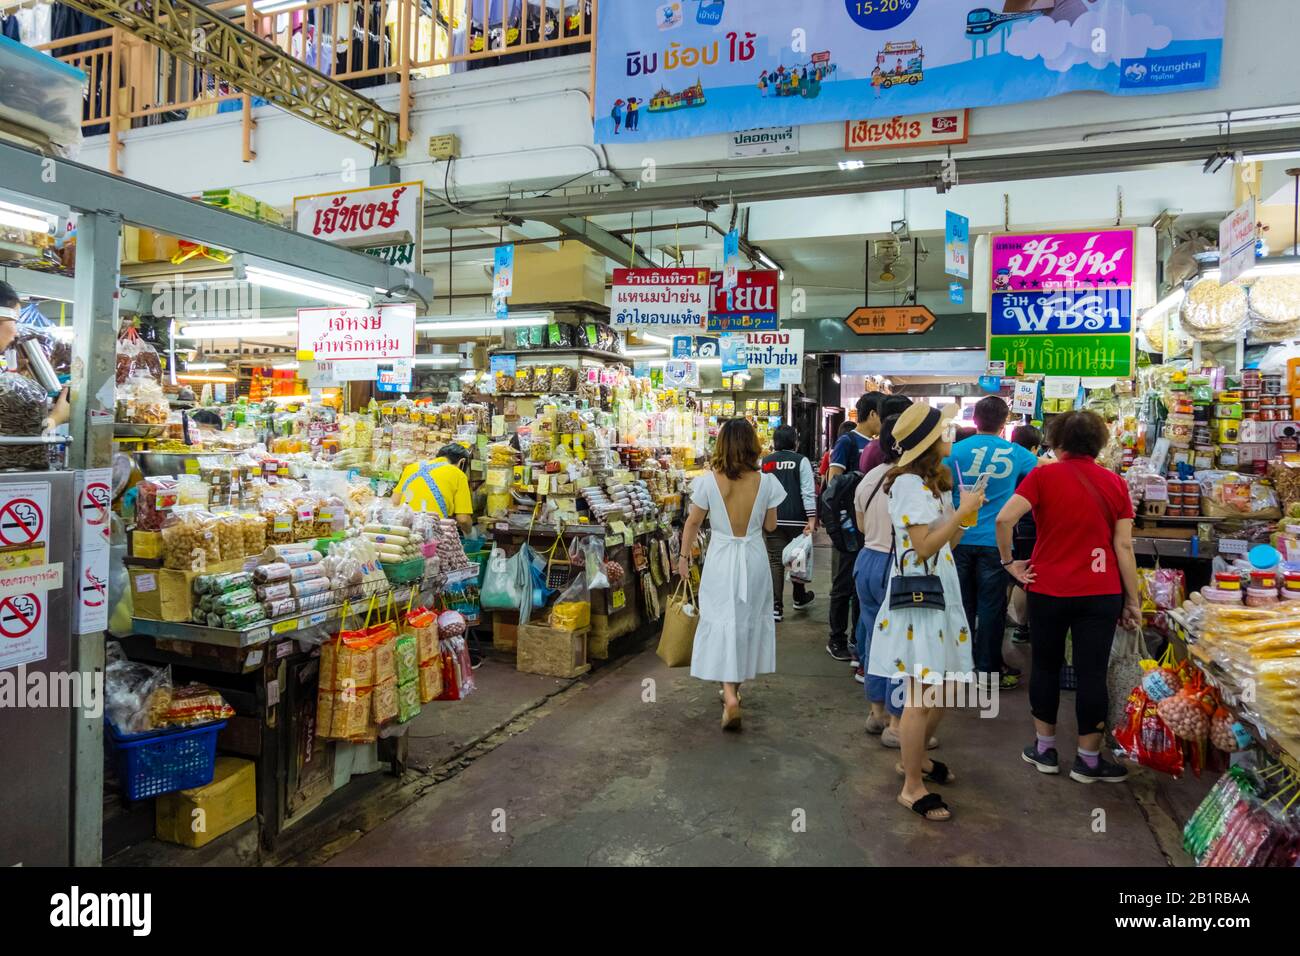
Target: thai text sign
777	350
659	298
388	218
1062	313
750	307
662	74
892	132
1066	260
382	332
1062	302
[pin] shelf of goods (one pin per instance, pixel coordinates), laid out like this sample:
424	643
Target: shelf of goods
1249	661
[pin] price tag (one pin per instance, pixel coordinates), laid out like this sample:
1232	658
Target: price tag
543	484
283	649
306	514
191	466
261	634
254	659
498	425
282	524
320	617
617	599
1233	546
284	627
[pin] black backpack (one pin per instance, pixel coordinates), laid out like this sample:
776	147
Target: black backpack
835	511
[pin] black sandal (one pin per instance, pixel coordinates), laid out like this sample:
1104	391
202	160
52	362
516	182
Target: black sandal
928	804
938	773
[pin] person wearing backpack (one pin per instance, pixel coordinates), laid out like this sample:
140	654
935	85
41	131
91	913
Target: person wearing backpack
796	516
841	484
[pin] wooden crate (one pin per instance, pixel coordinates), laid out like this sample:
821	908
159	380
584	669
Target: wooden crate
545	650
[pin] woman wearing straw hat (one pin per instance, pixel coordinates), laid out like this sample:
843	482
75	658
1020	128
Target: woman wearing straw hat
926	641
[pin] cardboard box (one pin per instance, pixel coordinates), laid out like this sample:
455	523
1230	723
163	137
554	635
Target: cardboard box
555	653
1226	431
505	630
1253	432
198	816
145	544
161	594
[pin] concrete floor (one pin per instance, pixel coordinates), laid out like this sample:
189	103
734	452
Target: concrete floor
629	766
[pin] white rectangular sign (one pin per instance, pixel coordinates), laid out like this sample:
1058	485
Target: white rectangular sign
382	332
781	350
23	624
399	374
25	515
358	370
659	298
767	141
92	592
361	218
40	577
1237	242
94	504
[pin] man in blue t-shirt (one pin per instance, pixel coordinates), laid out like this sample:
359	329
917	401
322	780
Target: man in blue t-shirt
844	595
983	579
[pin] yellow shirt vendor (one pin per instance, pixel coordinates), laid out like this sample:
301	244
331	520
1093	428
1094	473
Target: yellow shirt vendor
439	486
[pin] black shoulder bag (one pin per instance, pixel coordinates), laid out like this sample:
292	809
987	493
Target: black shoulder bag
915	590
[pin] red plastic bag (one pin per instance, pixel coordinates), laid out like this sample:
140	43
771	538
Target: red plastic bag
1147	739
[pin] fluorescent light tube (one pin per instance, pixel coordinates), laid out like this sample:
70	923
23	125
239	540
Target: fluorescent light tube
436	360
307	287
848	165
644	353
23	218
238	330
204	366
658	339
459	323
286	366
227	379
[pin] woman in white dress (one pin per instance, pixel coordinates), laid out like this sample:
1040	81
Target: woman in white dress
926	645
736	636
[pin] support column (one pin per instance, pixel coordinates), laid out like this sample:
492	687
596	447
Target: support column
94	366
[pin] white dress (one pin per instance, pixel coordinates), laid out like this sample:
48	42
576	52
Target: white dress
736	637
929	645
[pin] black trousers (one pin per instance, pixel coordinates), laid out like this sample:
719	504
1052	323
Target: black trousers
1090	623
776	542
844	596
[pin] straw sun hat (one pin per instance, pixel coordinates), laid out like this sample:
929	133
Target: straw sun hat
919	427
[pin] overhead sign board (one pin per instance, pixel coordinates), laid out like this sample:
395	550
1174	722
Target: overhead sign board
659	298
781	350
890	320
386	221
1061	303
752	306
771	141
1237	242
896	132
380	332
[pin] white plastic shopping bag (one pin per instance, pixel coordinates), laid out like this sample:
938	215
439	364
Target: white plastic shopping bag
798	559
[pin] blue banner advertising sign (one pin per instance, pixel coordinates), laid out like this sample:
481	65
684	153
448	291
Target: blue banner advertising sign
956	246
1070	312
662	74
732	347
683	346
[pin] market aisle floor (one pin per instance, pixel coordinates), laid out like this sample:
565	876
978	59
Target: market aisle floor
610	773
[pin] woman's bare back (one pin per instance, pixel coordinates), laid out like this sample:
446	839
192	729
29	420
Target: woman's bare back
738	496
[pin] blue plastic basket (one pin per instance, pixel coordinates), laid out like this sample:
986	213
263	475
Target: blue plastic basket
165	760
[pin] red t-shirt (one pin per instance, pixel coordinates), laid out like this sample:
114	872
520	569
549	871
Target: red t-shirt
1074	555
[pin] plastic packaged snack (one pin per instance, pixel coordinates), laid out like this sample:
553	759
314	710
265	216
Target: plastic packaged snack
254	532
269	573
155	498
278	514
189	540
331	516
310	586
243	617
222	583
280	608
136	357
230	536
232	599
274	592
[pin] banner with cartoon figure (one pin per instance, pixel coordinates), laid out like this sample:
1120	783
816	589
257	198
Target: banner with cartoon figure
681	68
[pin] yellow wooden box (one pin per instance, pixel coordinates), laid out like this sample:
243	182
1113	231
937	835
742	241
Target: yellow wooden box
199	815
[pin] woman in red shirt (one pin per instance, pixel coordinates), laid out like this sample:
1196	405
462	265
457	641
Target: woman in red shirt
1081	581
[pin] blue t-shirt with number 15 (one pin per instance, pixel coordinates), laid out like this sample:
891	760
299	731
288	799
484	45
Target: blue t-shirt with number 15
1006	464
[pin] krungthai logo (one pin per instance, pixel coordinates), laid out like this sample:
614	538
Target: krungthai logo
1155	71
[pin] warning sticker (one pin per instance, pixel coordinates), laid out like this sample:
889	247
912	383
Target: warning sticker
22	629
94	499
22	521
92	592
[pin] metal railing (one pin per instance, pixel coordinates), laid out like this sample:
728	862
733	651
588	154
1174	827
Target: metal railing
361	43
